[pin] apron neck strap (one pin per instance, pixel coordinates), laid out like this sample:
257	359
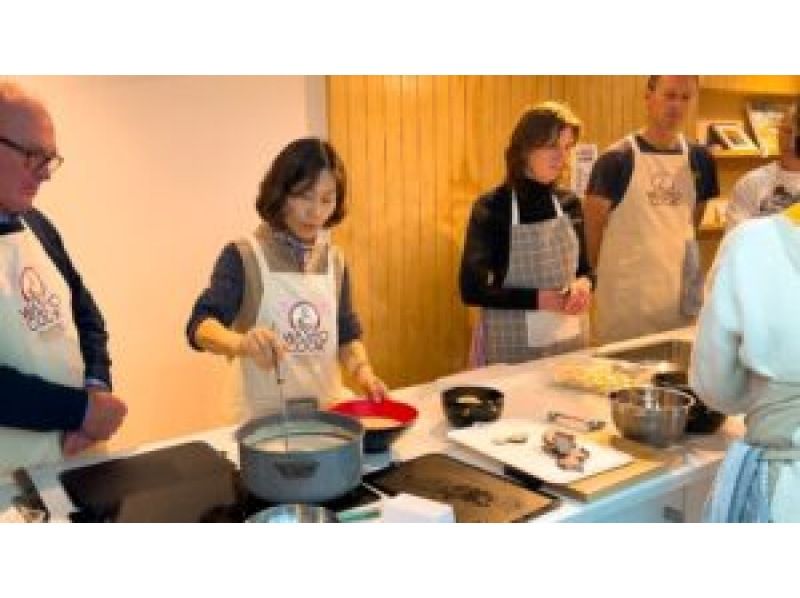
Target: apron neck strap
637	150
515	207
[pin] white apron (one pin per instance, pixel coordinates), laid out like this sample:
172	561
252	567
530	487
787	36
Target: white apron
542	255
39	338
302	308
648	249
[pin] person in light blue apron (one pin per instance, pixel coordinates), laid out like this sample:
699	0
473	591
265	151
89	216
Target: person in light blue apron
524	262
284	291
746	359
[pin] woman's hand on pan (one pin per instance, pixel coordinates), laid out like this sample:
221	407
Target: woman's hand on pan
372	386
261	345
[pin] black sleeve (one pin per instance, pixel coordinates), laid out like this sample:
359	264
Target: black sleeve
482	272
31	403
574	209
89	321
348	324
223	297
704	168
611	175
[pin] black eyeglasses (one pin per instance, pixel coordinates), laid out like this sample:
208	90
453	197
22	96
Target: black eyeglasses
36	160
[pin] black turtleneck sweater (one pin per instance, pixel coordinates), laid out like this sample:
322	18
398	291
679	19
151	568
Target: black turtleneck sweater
485	261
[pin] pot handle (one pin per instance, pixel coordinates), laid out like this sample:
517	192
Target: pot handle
296	469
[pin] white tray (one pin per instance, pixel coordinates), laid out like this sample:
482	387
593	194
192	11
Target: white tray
529	457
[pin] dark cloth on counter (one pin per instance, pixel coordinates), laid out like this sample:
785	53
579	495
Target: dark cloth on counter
223	299
612	172
29	402
484	264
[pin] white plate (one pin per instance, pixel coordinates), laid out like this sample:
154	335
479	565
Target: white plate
529	457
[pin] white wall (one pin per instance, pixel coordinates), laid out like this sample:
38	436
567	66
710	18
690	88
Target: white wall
159	173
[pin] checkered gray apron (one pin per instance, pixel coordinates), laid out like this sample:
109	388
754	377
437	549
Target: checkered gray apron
542	255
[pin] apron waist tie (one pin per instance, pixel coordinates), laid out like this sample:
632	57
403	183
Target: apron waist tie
781	454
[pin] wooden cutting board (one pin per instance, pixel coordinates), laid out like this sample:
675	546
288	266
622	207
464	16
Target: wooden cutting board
647	462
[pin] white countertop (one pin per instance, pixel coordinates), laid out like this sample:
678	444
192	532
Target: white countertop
528	394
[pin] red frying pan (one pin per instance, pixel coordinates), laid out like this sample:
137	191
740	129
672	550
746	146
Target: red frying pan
383	421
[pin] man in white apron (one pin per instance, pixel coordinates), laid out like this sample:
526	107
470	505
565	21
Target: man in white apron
644	200
43	370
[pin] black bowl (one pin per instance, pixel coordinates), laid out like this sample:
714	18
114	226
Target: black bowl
465	405
701	419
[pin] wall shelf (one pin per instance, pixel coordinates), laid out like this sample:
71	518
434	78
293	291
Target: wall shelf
752	84
738	155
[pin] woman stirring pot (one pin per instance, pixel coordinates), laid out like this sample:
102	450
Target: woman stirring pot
285	292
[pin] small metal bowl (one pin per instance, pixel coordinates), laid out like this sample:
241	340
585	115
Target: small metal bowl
294	513
655	416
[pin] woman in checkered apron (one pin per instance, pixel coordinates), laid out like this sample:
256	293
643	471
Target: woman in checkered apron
525	263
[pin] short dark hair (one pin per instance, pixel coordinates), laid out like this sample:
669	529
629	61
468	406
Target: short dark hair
295	170
538	126
652	81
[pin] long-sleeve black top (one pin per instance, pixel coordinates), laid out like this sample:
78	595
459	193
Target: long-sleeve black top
29	402
484	264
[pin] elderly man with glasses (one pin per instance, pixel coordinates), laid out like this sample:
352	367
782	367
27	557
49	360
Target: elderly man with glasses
55	378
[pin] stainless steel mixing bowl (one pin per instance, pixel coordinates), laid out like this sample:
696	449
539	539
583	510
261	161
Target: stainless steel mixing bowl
655	416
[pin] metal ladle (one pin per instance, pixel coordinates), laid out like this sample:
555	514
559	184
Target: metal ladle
279	379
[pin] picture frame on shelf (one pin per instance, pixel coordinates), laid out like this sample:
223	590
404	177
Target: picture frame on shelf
732	137
765	117
584	155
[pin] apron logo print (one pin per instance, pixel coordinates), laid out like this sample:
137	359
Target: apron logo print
662	191
40	309
304	335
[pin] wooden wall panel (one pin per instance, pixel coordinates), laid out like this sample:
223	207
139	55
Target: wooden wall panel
419	151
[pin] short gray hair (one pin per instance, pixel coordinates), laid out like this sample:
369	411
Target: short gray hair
12	94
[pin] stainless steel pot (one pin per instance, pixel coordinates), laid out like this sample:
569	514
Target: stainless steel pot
323	461
655	416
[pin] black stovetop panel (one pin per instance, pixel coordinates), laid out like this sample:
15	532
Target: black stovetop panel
190	482
247	504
